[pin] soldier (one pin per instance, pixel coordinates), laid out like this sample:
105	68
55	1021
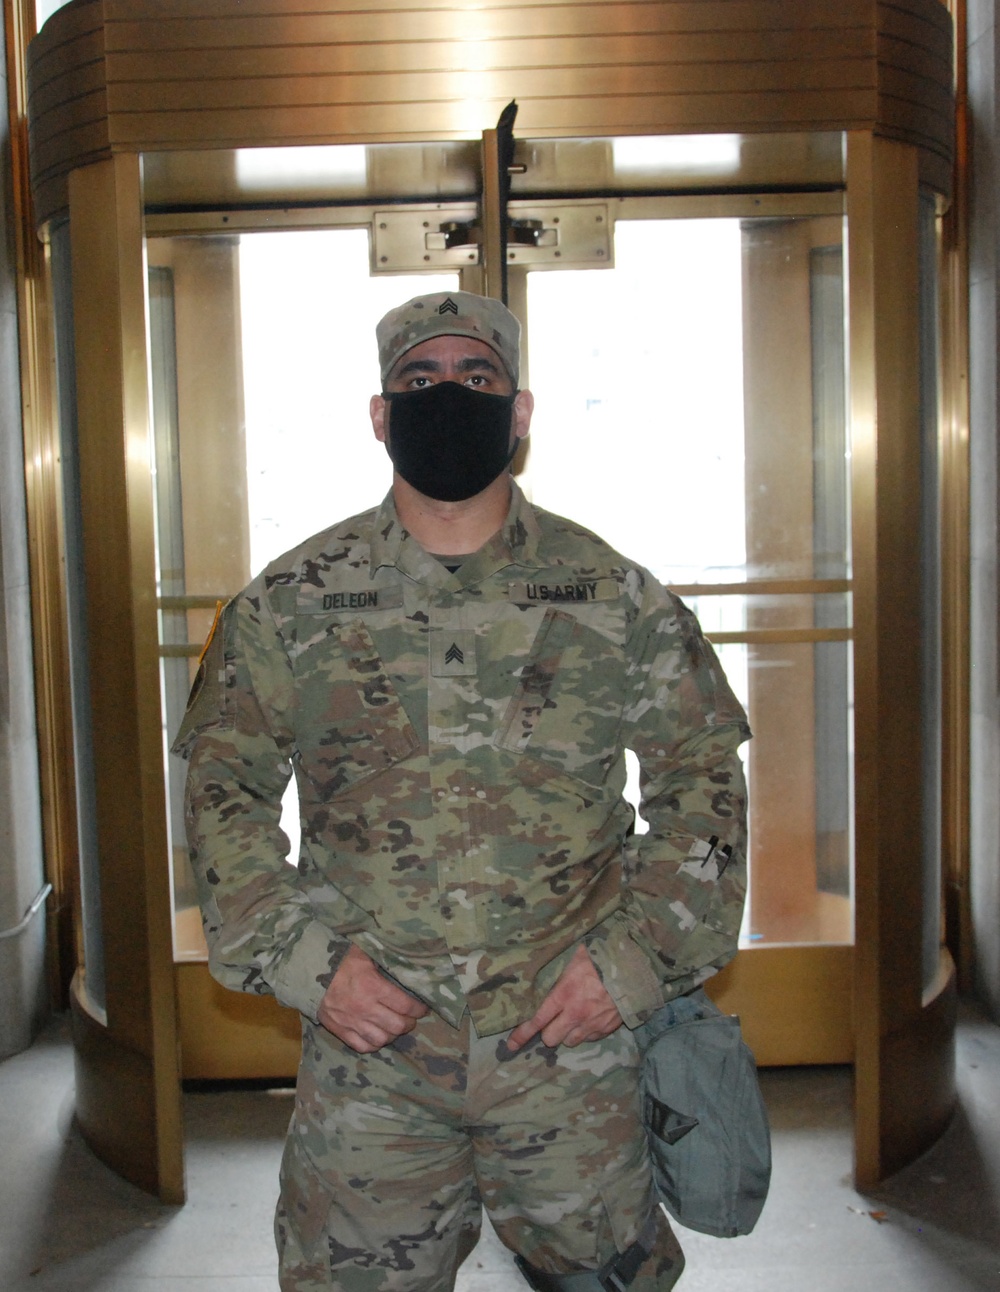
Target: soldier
473	928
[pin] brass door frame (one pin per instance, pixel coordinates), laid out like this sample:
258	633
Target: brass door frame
955	536
141	1136
690	206
43	487
904	1064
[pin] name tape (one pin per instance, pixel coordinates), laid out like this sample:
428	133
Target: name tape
576	591
364	599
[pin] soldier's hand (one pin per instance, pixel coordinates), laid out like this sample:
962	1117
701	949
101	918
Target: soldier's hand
578	1008
364	1008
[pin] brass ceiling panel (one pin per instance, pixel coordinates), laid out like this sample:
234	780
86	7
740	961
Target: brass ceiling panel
639	114
84	125
74	21
68	58
535	85
924	96
184	26
909	15
84	137
916	103
690	14
182	75
49	97
650	50
933	63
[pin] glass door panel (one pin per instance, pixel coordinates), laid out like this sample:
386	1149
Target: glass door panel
637	372
309	307
263	362
690	408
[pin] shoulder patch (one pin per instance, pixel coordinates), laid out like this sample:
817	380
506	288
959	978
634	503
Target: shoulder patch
219	605
208	707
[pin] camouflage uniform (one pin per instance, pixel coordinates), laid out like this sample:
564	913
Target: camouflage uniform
457	740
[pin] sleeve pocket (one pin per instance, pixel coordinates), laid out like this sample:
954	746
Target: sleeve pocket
566	710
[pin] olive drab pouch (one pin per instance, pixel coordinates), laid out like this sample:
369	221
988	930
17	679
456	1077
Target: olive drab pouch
705	1118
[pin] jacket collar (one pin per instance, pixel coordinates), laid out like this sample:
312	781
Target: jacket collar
516	542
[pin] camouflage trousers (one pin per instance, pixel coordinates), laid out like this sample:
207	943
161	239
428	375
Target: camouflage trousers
391	1157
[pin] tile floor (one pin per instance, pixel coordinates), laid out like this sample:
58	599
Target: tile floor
67	1224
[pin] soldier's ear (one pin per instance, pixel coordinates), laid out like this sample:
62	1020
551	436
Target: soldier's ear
524	406
376	410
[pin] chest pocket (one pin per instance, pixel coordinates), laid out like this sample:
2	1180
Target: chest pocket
349	723
566	710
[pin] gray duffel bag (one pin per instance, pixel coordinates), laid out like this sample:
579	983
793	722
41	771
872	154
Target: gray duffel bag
705	1117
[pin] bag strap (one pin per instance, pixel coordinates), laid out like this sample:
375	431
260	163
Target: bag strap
614	1275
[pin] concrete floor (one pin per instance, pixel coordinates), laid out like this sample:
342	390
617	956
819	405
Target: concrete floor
67	1224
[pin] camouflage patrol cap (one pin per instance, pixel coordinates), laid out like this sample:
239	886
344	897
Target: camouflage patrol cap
449	314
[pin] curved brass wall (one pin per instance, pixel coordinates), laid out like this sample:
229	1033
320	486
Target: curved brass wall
111	76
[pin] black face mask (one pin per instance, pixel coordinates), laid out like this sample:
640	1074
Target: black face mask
447	441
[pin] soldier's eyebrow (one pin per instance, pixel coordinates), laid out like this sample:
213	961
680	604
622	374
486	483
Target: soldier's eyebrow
473	363
477	363
419	365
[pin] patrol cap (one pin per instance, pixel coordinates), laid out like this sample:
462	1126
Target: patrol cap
449	314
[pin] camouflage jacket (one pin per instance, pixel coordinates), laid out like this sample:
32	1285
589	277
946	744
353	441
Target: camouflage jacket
457	740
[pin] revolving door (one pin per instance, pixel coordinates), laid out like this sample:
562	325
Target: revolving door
776	291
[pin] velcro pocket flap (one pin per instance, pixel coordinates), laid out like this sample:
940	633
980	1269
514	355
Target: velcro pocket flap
350	723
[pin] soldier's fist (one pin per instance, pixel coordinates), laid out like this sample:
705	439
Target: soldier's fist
578	1008
364	1008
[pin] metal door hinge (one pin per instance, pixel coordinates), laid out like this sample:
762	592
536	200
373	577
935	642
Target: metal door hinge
541	235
